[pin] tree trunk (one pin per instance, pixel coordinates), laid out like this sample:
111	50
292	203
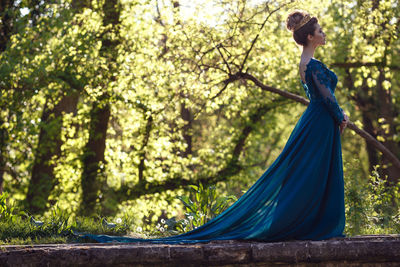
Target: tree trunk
371	151
48	150
7	22
386	112
3	142
93	158
142	151
7	26
187	117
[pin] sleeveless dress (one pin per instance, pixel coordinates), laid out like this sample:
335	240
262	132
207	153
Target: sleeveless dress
301	195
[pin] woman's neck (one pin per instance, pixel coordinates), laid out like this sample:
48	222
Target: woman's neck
308	51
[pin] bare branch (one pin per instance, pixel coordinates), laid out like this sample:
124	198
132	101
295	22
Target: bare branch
223	58
258	34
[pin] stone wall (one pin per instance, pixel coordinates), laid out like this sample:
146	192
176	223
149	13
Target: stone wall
356	251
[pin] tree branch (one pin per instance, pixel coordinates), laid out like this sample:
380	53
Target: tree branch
348	65
223	58
370	139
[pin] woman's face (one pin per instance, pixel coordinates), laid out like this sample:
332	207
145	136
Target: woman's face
319	36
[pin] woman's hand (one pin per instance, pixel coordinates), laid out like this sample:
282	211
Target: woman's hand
344	122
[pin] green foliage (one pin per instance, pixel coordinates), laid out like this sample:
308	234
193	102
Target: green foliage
171	66
201	206
6	210
372	207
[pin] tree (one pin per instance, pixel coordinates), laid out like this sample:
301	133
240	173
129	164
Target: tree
368	57
93	155
48	151
9	15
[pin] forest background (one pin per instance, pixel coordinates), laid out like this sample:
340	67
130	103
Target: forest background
115	107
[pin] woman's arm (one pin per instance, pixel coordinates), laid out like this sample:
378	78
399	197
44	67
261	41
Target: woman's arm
322	85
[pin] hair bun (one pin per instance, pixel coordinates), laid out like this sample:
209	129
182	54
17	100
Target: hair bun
294	19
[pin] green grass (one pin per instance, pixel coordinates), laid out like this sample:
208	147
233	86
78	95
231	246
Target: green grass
19	228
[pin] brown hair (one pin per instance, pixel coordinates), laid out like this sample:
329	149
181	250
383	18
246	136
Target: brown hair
300	35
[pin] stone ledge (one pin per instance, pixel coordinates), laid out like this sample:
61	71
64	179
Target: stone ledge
383	250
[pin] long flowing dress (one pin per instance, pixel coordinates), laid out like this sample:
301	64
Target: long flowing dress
301	195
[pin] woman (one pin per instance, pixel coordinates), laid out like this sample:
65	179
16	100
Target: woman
308	33
300	196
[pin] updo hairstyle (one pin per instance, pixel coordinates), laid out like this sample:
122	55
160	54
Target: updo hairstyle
300	34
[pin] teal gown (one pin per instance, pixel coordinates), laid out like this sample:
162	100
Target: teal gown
301	195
